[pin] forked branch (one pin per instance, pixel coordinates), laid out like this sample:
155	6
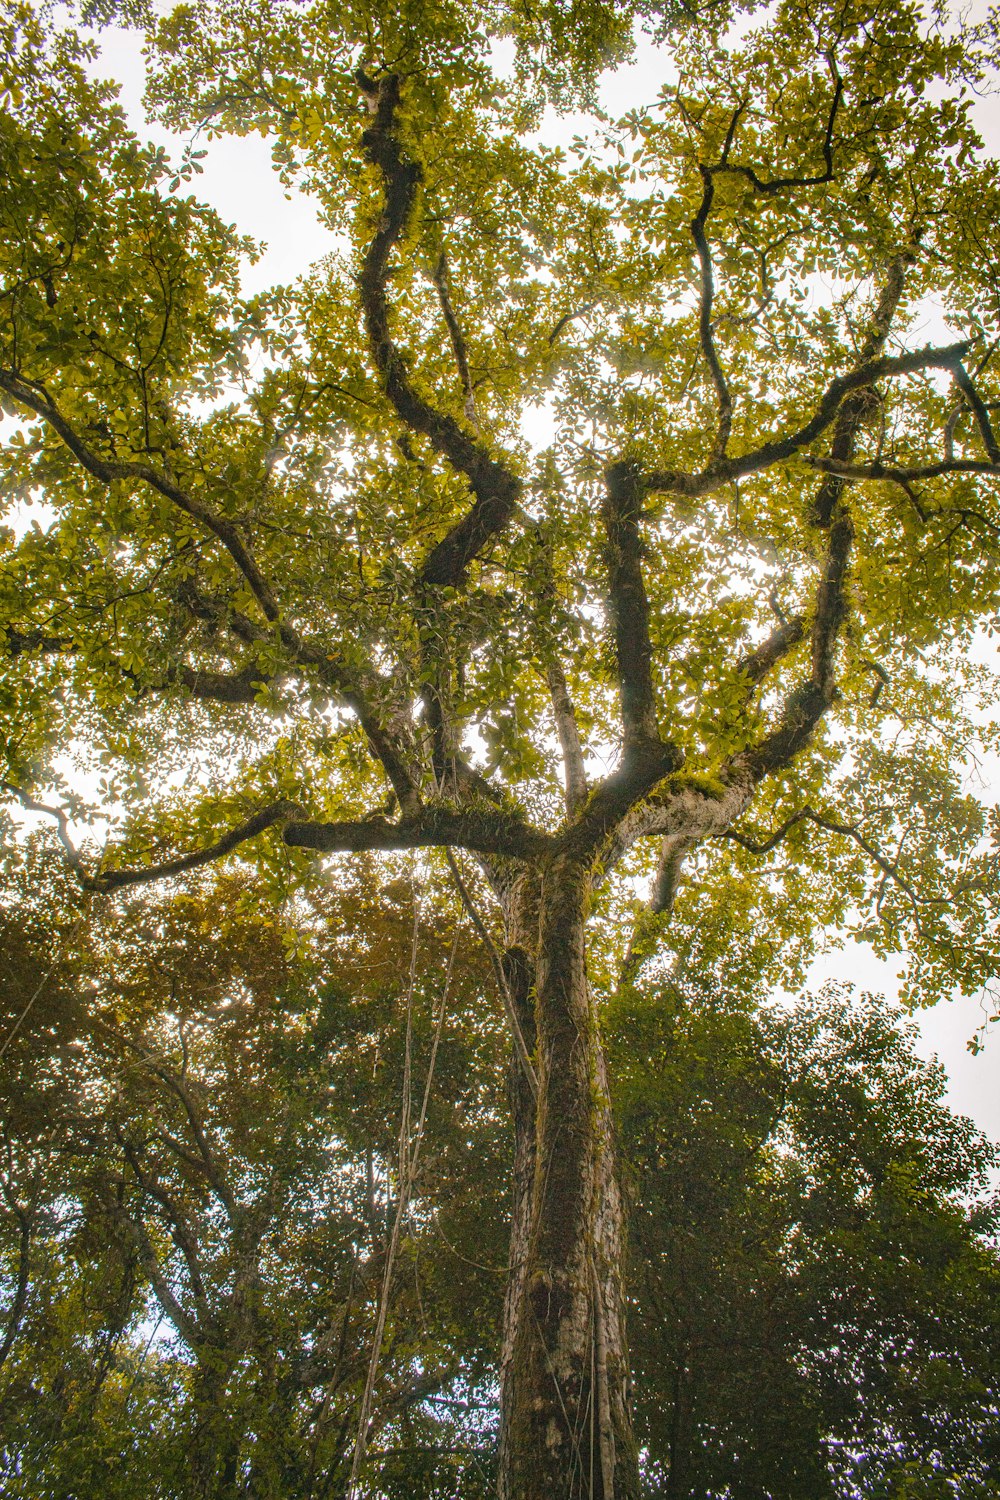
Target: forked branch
36	399
808	703
777	450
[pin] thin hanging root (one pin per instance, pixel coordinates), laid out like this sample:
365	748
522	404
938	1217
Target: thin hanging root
520	1046
602	1404
409	1156
19	1022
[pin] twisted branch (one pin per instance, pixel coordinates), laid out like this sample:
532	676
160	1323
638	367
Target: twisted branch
496	489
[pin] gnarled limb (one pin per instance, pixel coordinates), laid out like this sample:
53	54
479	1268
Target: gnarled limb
567	728
221	687
495	487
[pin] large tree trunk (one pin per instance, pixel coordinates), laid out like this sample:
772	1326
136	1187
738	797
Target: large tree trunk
567	1431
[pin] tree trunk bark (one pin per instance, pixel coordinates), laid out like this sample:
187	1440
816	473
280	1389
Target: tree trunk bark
566	1425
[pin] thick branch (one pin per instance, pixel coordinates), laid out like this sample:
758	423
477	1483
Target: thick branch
674	849
496	489
19	642
756	664
567	728
221	687
201	683
684	808
569	737
107	471
897	474
491	833
979	409
602	829
628	606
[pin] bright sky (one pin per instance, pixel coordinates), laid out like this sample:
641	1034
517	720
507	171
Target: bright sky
239	182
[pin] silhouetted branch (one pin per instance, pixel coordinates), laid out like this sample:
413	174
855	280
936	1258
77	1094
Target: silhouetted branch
496	489
36	399
706	334
457	337
277	812
778	449
497	833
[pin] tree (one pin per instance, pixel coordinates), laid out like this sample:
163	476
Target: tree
304	571
810	1252
172	1293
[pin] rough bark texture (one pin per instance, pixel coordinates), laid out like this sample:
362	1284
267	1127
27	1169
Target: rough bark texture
567	1429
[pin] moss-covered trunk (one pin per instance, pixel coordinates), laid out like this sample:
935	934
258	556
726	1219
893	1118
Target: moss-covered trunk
567	1431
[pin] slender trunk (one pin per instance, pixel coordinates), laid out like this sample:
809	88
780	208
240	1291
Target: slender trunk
567	1431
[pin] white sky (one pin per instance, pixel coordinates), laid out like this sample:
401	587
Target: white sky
239	182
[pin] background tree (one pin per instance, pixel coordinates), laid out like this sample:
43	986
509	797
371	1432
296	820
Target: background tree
206	1187
304	570
209	1174
812	1249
